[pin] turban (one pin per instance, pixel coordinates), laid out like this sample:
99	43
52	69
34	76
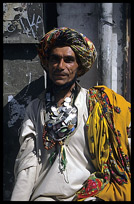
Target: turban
80	44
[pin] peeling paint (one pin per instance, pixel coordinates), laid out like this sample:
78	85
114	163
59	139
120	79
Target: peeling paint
16	110
22	19
76	15
6	83
10	97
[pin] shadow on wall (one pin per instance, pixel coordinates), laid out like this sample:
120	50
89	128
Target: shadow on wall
13	115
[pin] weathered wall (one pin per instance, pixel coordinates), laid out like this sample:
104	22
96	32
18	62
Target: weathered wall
24	24
105	25
112	44
84	18
22	29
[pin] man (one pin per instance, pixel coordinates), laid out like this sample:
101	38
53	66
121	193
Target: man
74	141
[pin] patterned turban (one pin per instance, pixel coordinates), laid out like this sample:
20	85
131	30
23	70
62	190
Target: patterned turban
80	44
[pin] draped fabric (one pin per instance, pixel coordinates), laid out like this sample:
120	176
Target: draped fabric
108	129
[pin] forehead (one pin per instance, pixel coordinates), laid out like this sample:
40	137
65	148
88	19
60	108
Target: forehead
63	51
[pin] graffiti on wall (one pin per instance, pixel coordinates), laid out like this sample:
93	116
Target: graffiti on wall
22	19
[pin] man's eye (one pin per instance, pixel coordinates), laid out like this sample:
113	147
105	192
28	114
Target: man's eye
54	58
69	59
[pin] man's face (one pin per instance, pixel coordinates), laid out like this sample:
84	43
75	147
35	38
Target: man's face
62	65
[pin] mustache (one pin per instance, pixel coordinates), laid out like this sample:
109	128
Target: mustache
57	72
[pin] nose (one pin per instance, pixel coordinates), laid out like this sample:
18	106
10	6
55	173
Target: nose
61	64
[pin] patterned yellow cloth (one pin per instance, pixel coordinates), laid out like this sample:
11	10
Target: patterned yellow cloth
108	128
80	44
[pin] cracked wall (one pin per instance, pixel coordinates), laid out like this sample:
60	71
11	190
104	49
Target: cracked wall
23	26
22	22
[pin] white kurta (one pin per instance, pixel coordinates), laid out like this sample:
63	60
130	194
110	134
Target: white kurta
36	179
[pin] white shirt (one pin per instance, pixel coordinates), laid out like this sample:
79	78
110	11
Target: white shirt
34	174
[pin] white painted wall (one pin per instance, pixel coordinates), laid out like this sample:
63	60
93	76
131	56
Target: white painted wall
86	18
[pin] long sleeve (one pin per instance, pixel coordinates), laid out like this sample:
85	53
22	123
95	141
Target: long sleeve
24	185
26	161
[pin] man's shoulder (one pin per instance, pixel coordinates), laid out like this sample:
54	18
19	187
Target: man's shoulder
105	95
36	101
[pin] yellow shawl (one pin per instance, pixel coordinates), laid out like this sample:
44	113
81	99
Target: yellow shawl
108	128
